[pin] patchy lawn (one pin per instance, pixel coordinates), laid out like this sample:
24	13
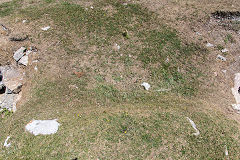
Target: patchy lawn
104	112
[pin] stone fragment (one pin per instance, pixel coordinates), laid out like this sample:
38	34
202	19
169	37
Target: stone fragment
24	60
19	53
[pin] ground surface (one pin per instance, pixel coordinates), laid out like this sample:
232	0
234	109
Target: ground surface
94	89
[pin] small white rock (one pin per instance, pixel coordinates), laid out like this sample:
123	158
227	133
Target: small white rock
91	7
7	144
224	71
224	50
221	57
24	21
35	68
209	45
129	55
46	28
146	85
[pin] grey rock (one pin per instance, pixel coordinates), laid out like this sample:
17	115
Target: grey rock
19	54
8	101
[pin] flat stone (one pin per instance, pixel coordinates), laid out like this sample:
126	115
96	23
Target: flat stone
12	77
19	54
24	60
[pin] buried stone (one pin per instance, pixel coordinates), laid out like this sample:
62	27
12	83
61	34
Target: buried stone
226	15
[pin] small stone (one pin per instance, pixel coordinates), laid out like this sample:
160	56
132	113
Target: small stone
221	58
145	85
46	28
24	21
224	50
19	54
209	45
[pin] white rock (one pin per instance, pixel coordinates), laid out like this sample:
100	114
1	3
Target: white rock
194	127
24	60
236	107
146	85
221	57
7	144
224	50
209	45
91	7
46	28
43	127
19	53
235	88
35	68
226	151
224	71
24	21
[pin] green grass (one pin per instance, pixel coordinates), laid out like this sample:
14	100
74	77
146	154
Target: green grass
124	131
102	30
113	117
9	8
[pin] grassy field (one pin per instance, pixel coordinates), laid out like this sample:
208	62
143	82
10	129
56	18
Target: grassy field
106	114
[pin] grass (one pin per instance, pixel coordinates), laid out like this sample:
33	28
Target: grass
8	8
109	115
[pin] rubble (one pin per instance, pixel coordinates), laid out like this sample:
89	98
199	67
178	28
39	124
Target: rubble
12	83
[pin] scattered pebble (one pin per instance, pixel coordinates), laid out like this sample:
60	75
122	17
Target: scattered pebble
221	57
91	7
116	46
129	55
125	4
209	45
43	127
194	127
46	28
224	71
35	68
7	144
24	21
146	85
224	50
